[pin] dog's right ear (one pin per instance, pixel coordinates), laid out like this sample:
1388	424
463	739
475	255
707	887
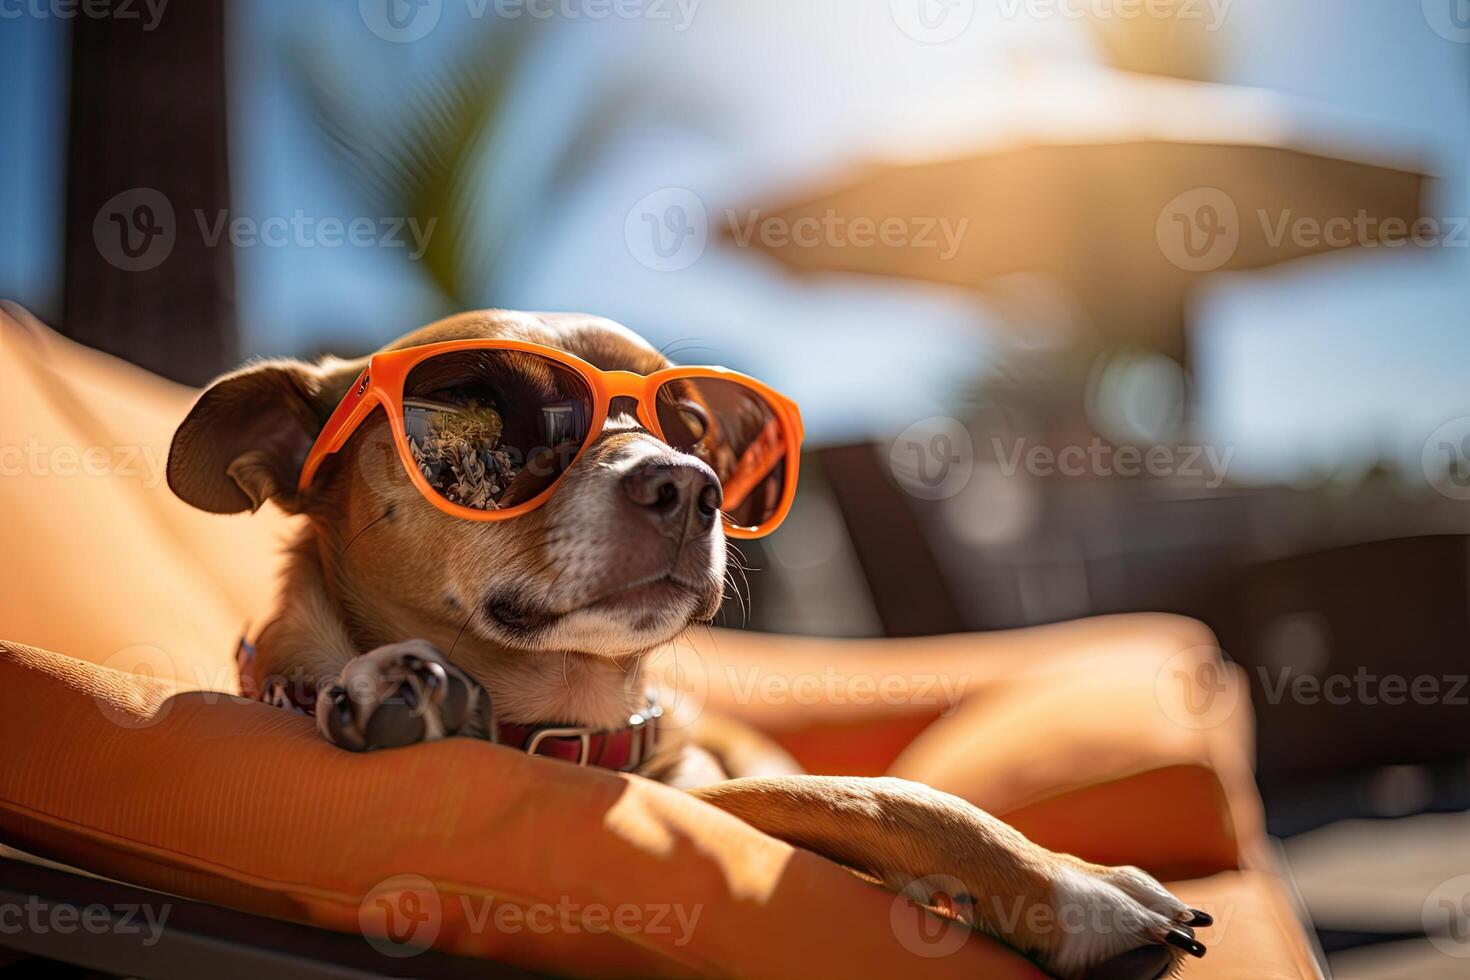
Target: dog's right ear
247	436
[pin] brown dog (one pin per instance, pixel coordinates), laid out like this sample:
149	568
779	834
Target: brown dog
395	617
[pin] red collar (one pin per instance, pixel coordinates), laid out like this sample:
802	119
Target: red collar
620	749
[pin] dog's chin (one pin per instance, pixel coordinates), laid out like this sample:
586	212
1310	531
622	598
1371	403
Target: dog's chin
618	621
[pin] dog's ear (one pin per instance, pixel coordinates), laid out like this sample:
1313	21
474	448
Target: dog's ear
247	436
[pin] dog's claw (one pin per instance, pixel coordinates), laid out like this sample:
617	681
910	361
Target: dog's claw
1198	917
1180	940
429	672
334	717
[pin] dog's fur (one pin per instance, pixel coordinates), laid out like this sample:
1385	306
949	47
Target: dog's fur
550	613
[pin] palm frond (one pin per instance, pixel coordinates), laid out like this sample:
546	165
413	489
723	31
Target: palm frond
418	159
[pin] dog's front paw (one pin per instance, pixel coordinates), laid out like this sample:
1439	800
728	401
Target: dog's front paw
1116	923
396	695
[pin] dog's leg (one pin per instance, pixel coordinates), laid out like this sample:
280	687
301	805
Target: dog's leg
1069	914
396	695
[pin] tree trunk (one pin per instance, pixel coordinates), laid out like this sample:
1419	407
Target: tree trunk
146	158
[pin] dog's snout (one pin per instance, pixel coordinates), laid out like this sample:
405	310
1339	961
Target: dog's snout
666	491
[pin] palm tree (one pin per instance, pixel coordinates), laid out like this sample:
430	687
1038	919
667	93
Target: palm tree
146	146
427	158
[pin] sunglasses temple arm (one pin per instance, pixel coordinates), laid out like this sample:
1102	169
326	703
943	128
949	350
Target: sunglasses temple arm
754	465
347	416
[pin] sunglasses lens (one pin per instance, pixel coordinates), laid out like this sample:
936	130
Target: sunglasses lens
736	431
491	429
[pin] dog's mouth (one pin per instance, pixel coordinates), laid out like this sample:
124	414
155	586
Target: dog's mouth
649	599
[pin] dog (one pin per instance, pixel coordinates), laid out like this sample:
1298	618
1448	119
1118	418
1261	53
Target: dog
401	620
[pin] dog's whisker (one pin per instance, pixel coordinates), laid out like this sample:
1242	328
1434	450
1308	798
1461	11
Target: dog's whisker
683	345
462	628
387	512
735	588
733	564
749	600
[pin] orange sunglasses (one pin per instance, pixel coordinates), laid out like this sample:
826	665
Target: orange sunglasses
487	428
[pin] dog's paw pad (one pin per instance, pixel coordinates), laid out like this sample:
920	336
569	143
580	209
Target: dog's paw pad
1142	963
396	695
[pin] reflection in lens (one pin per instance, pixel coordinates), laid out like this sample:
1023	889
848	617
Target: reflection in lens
491	429
736	431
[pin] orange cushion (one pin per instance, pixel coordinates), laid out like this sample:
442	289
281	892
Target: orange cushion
1256	935
102	561
1081	734
243	805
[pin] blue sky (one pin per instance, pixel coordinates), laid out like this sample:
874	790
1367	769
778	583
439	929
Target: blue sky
1316	368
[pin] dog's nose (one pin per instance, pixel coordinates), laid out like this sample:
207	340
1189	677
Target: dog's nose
666	490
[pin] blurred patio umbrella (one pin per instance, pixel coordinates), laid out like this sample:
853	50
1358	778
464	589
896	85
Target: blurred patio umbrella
1126	190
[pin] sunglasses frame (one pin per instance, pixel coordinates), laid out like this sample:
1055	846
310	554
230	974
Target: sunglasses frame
381	385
